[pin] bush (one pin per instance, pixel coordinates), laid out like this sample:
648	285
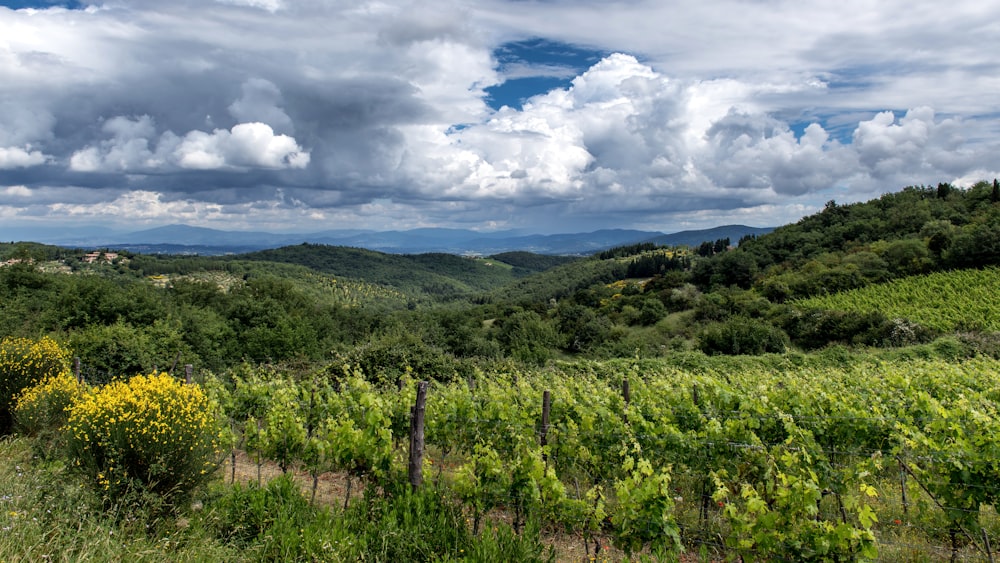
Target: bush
902	332
23	363
742	335
814	329
151	434
42	410
981	343
384	360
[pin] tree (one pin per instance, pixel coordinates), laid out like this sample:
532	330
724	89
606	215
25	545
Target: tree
977	245
734	268
742	335
526	336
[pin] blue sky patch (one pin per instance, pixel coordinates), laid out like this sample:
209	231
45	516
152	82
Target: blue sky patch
535	66
840	126
41	4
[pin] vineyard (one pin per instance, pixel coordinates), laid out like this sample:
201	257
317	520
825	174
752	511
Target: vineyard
825	392
944	301
876	459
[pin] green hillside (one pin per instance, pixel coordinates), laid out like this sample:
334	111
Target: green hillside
959	300
443	313
437	275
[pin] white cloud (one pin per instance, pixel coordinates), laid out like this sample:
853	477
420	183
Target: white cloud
246	145
754	151
17	191
140	206
127	150
624	137
17	157
269	5
916	143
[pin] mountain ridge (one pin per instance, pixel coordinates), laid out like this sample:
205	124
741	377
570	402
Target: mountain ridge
187	239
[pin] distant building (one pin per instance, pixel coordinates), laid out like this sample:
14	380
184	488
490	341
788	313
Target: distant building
92	257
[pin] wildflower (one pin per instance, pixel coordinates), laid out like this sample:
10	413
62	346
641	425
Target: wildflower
150	429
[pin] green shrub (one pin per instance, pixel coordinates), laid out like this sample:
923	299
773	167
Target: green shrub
742	335
149	434
42	410
984	343
23	363
44	407
814	329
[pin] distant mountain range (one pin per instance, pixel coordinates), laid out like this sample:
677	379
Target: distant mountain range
184	239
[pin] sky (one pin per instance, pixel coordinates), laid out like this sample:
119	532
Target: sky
544	116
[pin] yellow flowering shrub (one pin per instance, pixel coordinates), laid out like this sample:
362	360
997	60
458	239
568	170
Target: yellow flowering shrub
43	408
25	362
151	432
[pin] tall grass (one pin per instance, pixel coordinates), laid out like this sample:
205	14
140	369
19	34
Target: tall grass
48	514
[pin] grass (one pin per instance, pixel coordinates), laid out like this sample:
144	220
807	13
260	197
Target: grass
46	514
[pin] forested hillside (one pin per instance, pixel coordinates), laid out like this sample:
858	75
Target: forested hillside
444	313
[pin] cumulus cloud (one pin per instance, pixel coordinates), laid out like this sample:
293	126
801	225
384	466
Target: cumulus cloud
621	134
246	145
127	150
756	151
17	157
917	142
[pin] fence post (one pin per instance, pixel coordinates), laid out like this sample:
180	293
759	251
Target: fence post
543	435
188	373
902	488
627	397
76	369
416	466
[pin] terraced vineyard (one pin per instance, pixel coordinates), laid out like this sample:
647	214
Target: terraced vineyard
945	301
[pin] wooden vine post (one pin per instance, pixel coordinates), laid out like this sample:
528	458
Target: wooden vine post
902	488
627	397
416	465
543	434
